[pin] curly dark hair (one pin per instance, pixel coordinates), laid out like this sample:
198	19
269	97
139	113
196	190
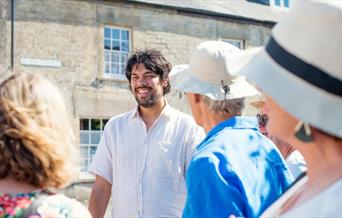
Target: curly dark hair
154	61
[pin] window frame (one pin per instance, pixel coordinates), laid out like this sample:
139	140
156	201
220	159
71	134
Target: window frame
241	41
84	173
109	63
282	3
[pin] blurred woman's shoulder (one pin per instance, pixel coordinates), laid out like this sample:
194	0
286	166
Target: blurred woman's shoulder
326	203
58	205
40	204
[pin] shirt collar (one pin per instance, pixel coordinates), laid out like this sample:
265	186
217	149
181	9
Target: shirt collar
237	122
134	113
167	111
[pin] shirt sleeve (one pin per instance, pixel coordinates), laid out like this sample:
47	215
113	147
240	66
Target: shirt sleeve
60	206
296	163
211	192
102	164
196	135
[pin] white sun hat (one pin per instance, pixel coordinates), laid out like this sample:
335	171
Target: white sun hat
207	73
301	65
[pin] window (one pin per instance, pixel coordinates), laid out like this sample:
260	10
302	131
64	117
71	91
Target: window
280	3
90	134
116	48
236	42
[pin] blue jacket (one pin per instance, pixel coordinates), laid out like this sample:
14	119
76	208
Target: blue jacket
236	170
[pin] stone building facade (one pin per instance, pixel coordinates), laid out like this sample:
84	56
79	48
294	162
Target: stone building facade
65	41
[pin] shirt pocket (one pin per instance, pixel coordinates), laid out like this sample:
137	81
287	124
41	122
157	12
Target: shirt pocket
169	158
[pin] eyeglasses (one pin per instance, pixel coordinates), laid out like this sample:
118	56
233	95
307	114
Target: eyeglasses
262	119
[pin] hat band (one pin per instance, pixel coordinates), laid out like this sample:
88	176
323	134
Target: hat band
303	70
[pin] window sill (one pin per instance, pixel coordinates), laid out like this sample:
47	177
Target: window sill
113	78
119	81
85	177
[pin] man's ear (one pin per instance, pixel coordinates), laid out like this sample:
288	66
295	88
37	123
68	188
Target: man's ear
165	82
197	98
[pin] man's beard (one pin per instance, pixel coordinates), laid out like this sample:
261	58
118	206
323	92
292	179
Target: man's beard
148	102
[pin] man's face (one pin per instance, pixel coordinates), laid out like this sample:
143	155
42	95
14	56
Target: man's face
146	86
194	102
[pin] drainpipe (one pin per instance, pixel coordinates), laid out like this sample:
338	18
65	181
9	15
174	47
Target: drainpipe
12	33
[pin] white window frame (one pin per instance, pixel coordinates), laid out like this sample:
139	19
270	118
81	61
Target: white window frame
282	3
84	173
233	41
108	54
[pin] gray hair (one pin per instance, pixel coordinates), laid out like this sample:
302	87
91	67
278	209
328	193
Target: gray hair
232	106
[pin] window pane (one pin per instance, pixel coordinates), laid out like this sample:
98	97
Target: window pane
115	40
84	124
124	57
122	69
107	68
124	35
107	44
115	57
104	123
84	137
107	32
236	43
286	3
116	45
277	2
84	151
115	34
107	56
124	46
92	151
95	124
84	165
95	137
115	68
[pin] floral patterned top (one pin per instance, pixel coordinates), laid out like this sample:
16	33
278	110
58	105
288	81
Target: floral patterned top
54	205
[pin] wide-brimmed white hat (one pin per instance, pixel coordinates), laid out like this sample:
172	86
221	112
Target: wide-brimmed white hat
301	65
207	72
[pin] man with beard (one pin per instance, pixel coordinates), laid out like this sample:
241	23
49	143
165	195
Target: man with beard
143	154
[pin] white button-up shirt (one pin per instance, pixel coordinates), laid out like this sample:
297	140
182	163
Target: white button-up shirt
147	168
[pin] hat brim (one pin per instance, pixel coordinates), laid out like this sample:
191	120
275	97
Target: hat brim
303	100
181	79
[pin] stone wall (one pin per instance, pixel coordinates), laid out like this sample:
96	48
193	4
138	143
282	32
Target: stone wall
4	11
72	33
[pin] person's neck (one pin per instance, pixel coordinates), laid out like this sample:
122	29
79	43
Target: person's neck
150	115
324	162
285	148
211	119
9	185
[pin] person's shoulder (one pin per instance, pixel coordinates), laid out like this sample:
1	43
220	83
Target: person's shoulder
58	205
181	116
125	115
120	118
326	203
